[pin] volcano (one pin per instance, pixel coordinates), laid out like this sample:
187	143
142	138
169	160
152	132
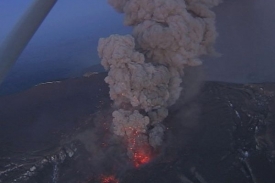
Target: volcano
60	132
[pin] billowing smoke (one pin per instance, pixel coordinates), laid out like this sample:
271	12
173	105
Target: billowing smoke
146	68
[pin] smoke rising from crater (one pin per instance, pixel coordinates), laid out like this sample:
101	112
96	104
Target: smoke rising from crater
147	67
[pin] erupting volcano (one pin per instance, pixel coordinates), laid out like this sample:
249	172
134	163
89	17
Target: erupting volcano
145	69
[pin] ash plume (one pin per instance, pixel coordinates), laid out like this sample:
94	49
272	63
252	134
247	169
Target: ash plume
145	69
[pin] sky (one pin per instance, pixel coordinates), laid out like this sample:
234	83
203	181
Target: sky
66	42
246	41
67	22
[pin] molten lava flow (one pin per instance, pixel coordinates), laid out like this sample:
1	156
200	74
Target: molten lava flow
109	179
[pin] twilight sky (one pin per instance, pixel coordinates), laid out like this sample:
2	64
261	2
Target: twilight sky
66	30
64	45
66	42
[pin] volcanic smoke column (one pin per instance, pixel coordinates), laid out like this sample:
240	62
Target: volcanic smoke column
146	69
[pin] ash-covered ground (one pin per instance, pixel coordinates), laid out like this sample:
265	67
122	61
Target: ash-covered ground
60	132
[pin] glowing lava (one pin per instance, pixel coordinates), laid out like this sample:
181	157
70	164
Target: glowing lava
140	159
109	179
139	149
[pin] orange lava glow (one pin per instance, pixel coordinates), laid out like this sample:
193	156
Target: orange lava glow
140	159
109	179
139	149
